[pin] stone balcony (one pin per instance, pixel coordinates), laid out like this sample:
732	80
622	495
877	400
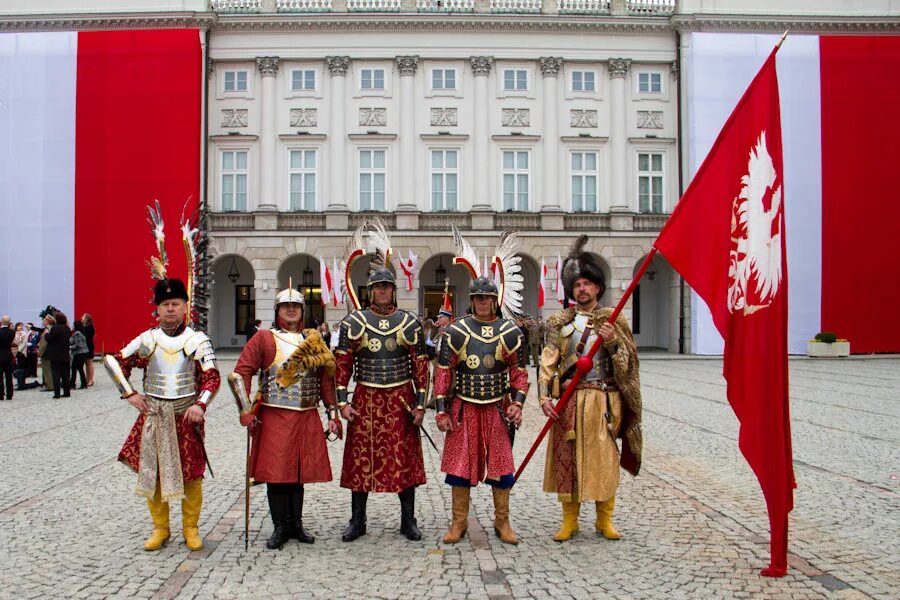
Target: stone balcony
410	221
650	8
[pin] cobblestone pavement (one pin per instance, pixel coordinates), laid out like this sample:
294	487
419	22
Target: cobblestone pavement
694	521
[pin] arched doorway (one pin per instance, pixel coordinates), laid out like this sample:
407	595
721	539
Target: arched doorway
432	274
302	272
652	306
232	299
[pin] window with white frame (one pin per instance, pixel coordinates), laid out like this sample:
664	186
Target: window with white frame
444	179
371	79
302	179
650	82
650	182
583	81
515	180
583	170
371	179
235	81
303	80
234	180
443	79
515	80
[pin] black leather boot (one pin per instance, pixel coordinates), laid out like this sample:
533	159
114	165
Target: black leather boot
279	506
408	526
357	526
297	531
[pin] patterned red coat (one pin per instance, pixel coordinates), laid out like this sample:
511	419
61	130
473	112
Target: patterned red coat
289	446
383	452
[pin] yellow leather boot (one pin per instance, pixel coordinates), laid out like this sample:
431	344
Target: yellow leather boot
460	520
190	513
501	517
604	519
159	511
569	527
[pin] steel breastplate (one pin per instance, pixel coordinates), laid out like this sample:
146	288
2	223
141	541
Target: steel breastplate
382	358
482	376
602	362
170	372
302	395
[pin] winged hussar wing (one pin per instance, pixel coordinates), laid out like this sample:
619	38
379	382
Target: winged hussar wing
352	251
159	265
509	264
381	239
465	254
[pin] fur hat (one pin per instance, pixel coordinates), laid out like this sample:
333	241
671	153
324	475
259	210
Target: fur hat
169	289
581	264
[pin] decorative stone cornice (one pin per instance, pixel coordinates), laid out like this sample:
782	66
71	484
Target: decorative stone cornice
337	65
94	21
407	65
481	65
550	65
267	65
780	23
618	67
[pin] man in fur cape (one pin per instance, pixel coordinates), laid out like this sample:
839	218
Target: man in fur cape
582	456
296	371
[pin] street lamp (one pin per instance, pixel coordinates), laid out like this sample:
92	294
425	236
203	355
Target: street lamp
233	273
440	273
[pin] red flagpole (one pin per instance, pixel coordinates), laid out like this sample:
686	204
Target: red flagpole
585	362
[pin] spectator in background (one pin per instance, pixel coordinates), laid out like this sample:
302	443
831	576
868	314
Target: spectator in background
87	323
46	373
326	333
79	354
57	353
252	328
31	349
335	337
7	357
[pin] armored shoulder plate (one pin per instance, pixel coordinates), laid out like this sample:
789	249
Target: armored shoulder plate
200	348
511	336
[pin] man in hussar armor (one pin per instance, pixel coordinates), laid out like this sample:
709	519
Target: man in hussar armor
582	456
483	353
296	371
383	349
165	446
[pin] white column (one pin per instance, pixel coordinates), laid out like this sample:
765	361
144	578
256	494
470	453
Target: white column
481	133
268	135
407	67
618	134
337	132
550	169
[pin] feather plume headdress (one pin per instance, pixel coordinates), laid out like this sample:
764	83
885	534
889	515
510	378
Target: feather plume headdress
505	264
580	263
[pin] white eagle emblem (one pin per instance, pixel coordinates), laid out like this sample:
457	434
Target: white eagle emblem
754	269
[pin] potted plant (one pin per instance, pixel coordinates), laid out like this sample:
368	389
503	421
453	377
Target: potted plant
828	345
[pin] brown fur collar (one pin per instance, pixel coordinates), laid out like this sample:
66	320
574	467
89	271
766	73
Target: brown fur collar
311	354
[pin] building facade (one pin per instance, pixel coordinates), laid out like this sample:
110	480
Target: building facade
549	117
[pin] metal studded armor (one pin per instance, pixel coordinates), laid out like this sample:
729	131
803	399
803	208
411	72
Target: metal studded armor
169	374
305	393
382	358
482	376
602	369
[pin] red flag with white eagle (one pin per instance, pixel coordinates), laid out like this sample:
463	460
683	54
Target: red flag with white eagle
726	238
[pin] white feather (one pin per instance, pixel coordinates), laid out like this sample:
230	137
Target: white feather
514	282
464	250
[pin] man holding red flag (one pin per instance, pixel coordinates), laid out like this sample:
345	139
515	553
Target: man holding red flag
582	456
726	238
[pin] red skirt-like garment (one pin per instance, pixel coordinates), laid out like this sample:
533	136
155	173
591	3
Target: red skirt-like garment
479	447
289	446
190	448
383	452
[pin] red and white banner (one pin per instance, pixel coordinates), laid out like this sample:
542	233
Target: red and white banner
726	237
842	218
410	268
542	290
325	285
560	289
95	127
338	276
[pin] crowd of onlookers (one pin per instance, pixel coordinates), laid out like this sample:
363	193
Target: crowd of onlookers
53	354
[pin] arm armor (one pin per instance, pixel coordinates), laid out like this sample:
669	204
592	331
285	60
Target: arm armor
342	397
115	373
443	359
420	400
236	383
441	405
521	355
519	397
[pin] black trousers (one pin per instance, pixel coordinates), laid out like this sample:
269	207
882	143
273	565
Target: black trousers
6	377
78	367
59	370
